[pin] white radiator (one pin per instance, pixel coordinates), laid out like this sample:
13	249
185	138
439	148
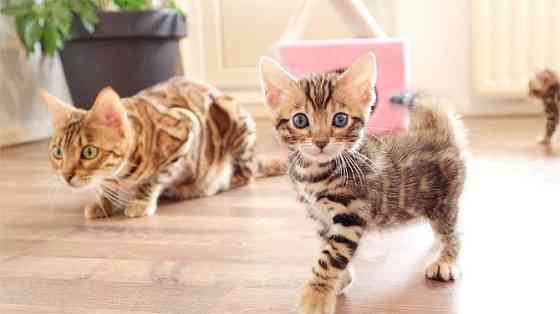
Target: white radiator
510	40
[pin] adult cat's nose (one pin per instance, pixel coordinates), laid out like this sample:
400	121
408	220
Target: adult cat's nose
320	143
68	177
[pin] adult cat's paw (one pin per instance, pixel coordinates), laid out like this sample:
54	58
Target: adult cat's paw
94	211
443	271
140	209
316	300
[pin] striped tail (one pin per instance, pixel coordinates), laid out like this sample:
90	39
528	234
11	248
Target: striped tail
270	167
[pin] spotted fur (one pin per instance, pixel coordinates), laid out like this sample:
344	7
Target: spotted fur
546	87
180	138
356	182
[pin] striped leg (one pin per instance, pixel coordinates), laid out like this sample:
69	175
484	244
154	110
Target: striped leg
331	272
551	113
243	146
145	203
445	267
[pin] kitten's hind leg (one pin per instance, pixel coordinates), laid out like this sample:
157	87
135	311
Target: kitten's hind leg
552	119
145	203
444	267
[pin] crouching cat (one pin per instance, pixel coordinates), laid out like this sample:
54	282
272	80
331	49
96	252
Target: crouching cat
351	182
181	138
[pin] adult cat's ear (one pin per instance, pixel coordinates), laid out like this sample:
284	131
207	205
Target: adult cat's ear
276	82
61	112
358	81
108	111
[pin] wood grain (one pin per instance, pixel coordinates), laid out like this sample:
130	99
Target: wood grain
250	250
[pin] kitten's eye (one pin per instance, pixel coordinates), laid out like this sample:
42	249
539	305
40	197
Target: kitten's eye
300	121
89	152
340	120
57	153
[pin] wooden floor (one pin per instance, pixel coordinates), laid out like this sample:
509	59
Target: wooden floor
250	250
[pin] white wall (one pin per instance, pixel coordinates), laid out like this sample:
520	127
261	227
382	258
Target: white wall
439	32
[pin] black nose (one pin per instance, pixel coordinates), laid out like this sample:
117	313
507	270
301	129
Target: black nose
320	144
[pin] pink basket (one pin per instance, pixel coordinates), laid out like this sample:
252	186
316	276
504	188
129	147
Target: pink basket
301	57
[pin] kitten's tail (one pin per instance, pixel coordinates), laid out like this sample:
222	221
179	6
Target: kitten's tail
271	166
430	114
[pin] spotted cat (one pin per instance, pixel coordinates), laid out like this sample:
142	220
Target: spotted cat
181	138
351	182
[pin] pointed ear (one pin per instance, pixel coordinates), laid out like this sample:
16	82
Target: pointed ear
61	112
358	81
276	82
108	111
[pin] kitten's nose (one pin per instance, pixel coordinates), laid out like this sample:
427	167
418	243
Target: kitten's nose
320	143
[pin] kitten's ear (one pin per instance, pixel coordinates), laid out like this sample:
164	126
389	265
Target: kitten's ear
276	82
108	111
60	111
358	81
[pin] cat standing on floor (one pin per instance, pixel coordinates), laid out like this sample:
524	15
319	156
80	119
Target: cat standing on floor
546	86
181	138
351	182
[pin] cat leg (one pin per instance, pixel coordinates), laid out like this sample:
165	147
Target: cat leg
331	273
552	118
145	202
102	208
444	267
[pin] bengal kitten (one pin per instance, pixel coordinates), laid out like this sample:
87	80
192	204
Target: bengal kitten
545	86
181	138
352	182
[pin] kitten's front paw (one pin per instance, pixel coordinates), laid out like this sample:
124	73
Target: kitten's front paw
443	271
317	300
346	281
94	210
139	209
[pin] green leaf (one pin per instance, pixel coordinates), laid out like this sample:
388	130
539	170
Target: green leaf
51	40
131	5
173	5
15	10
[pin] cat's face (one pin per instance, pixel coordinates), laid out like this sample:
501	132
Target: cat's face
88	146
324	115
542	83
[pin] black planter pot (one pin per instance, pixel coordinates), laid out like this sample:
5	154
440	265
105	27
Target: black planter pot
128	51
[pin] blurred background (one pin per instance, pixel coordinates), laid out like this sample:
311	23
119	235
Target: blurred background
480	53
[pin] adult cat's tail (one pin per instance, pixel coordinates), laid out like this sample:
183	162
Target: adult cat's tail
270	167
433	117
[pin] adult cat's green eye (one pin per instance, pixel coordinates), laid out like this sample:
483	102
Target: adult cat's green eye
57	153
89	152
300	121
340	120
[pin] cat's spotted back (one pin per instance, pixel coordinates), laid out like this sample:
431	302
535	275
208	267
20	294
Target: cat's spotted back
182	138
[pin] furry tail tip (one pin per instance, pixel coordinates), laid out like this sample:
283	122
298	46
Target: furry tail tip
405	98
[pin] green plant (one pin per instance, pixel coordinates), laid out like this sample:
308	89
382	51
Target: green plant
49	22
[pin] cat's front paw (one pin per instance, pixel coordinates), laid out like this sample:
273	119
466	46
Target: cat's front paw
95	210
346	281
443	271
140	209
317	300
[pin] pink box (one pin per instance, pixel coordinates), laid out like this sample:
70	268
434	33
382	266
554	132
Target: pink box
302	57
